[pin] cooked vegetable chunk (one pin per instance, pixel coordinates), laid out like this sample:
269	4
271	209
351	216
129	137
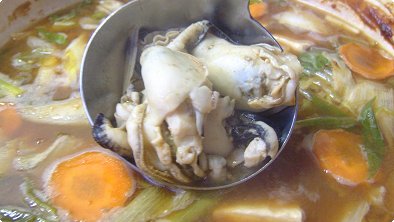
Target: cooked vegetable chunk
89	184
258	212
339	153
366	61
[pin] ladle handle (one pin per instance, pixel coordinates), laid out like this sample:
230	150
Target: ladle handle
233	17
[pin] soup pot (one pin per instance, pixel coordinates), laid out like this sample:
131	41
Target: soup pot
17	15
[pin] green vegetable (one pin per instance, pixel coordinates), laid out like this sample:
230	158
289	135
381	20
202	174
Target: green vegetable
313	62
28	60
86	2
153	203
198	209
10	89
373	140
16	214
53	37
254	1
39	210
36	202
64	20
66	17
324	107
98	15
328	122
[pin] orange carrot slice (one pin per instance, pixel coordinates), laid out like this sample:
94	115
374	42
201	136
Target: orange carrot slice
257	10
10	120
339	153
90	184
367	62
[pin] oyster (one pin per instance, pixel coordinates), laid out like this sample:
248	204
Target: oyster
179	129
258	77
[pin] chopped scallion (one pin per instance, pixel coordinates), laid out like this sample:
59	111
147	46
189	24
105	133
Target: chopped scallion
9	88
323	106
54	37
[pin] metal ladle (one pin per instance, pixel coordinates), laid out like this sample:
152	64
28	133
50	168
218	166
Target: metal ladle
108	53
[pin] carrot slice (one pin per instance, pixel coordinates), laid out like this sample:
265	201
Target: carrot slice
10	120
90	184
366	62
257	10
339	153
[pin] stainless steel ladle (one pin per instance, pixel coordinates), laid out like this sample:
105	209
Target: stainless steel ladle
105	60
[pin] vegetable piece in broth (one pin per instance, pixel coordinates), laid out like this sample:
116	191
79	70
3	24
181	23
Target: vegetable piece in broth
324	107
53	37
39	210
339	153
366	61
89	184
328	122
10	121
153	203
313	62
10	89
17	214
37	203
257	8
30	161
374	144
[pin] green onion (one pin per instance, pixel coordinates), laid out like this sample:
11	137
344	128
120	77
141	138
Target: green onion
373	140
35	201
54	37
39	210
323	106
328	122
64	23
28	60
10	89
313	62
66	17
98	15
65	20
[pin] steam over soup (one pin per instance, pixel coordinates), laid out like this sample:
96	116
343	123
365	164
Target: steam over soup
338	165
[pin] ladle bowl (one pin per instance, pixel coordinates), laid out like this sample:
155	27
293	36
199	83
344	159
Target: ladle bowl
104	63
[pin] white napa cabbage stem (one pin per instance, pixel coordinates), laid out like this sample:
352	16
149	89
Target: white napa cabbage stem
302	21
30	161
72	60
68	112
